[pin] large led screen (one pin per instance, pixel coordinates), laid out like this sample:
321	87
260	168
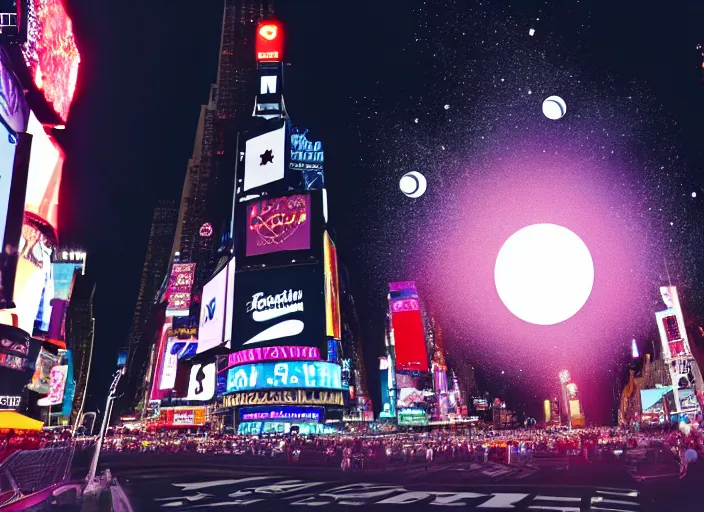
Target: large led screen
264	159
45	165
13	109
201	385
284	397
281	413
269	42
409	340
332	290
281	224
51	53
179	291
213	310
307	158
8	145
280	306
294	374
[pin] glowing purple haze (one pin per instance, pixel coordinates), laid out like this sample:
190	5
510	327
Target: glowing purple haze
498	197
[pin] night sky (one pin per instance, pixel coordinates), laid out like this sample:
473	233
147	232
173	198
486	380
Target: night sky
455	93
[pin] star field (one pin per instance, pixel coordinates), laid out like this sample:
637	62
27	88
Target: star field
466	112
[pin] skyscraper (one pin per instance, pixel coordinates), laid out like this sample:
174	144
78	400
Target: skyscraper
156	263
206	201
80	327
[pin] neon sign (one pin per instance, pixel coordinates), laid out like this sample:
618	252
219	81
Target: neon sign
268	45
255	355
281	224
287	397
311	375
281	413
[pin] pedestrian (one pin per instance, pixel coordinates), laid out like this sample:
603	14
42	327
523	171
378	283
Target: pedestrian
428	456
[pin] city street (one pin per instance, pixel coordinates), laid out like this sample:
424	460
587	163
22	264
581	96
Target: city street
194	481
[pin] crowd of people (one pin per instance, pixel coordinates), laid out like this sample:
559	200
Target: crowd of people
360	451
357	451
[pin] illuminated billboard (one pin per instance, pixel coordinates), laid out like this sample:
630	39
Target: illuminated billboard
182	416
179	291
284	397
14	109
269	42
309	375
157	392
332	290
281	224
412	417
8	146
41	380
57	385
216	310
255	355
265	159
306	159
51	53
201	385
45	166
409	338
281	413
279	306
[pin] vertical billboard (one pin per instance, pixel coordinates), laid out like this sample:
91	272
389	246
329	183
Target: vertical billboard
306	159
409	336
201	384
8	145
332	290
179	291
280	306
216	306
281	224
264	159
269	42
57	386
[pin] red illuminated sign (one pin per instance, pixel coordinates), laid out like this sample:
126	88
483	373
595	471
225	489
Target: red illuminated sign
332	291
269	45
409	341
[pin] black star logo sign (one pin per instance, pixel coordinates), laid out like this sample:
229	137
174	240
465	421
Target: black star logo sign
267	157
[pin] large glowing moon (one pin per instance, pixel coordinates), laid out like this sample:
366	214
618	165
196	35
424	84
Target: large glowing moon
544	274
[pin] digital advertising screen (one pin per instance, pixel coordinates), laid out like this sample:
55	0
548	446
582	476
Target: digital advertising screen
332	290
265	159
45	165
409	339
182	416
284	397
201	385
280	306
412	417
14	110
214	309
51	54
57	385
41	380
157	393
282	413
256	355
280	224
403	290
409	397
293	374
63	278
179	291
33	280
8	145
307	159
269	42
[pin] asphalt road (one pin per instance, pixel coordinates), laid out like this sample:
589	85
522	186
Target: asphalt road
165	482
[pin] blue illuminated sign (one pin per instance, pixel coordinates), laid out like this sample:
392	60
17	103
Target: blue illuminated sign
293	374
